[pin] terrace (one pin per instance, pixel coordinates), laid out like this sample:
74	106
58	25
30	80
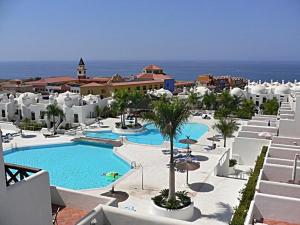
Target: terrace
277	200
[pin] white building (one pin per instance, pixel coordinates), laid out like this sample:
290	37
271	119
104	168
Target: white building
277	196
77	109
261	92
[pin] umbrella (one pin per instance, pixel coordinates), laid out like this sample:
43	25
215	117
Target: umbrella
265	135
213	139
188	165
188	141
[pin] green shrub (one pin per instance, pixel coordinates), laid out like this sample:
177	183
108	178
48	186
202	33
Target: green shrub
247	193
182	200
28	124
232	162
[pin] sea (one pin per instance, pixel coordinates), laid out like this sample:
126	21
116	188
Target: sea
180	70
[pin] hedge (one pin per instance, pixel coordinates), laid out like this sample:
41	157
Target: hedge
247	193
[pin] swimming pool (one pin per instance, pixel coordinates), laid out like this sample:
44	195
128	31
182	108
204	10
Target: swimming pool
73	165
152	135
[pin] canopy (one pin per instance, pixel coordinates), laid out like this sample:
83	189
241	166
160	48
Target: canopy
188	165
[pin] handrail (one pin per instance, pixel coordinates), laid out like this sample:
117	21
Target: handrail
15	173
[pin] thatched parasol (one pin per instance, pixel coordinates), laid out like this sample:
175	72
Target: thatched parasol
188	165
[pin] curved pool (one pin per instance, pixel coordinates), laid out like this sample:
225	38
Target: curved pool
152	135
74	165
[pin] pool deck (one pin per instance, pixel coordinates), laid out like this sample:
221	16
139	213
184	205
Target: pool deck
214	197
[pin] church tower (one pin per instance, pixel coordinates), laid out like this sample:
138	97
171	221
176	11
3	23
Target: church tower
81	70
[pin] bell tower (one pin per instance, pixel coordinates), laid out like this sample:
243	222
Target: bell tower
81	70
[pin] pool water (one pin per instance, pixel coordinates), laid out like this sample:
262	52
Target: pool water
152	135
75	165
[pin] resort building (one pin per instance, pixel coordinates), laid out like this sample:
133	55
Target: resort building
14	86
261	92
277	197
77	110
151	78
219	83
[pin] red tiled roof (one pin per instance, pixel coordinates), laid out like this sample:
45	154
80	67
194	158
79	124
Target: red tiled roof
49	80
99	79
93	84
137	82
179	83
152	67
153	76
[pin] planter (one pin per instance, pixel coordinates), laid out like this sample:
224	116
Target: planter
129	130
231	170
180	214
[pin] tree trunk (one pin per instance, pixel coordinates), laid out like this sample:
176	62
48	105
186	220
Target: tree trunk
171	173
53	124
224	141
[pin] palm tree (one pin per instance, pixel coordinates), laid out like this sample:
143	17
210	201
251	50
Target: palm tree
169	119
193	99
98	111
136	99
270	107
53	110
122	102
226	127
210	100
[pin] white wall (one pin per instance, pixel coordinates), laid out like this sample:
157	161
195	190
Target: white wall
286	141
277	207
283	153
287	162
259	129
279	173
248	149
76	199
27	201
262	123
281	189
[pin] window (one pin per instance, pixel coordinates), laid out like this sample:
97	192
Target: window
42	114
138	88
32	115
129	89
3	113
144	88
79	71
161	86
264	99
76	118
150	86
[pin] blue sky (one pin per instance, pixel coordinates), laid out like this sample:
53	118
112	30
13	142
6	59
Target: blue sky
150	29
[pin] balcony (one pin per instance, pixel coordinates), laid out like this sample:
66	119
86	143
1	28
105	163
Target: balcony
15	173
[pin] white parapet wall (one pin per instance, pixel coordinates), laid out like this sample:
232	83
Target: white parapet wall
281	189
283	153
76	199
272	130
246	150
103	215
27	201
273	207
279	173
286	141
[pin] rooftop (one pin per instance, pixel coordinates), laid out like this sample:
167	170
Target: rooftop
152	67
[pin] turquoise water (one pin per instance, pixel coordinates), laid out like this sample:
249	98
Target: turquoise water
75	165
153	137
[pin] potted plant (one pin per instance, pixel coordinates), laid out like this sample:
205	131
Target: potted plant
232	163
169	116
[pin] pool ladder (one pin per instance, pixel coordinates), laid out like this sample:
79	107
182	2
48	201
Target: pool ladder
135	165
